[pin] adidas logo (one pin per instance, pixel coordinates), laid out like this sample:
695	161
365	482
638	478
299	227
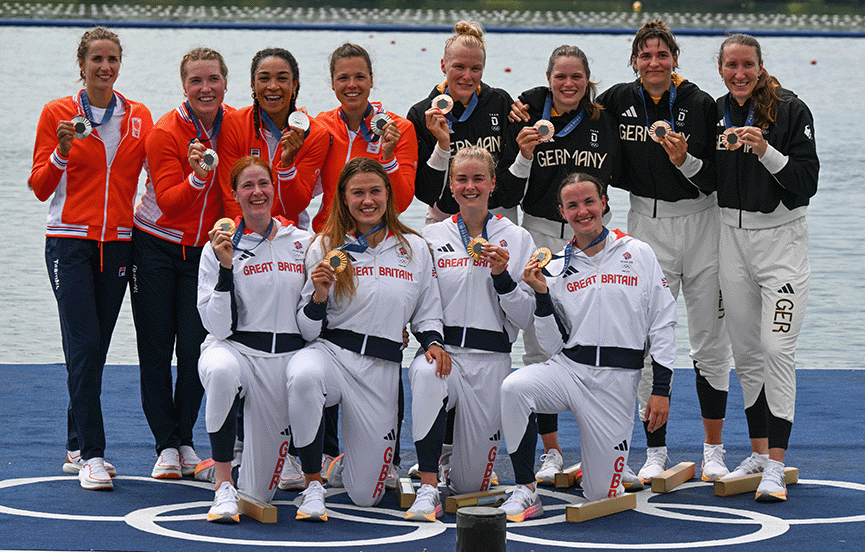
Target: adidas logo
787	288
446	248
246	255
390	436
569	271
623	446
286	432
630	112
497	436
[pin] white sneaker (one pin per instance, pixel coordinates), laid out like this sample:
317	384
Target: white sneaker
326	461
523	504
427	505
631	481
334	472
94	477
773	487
205	471
291	478
414	471
167	465
392	478
713	467
188	460
656	462
553	463
74	462
224	509
312	506
750	465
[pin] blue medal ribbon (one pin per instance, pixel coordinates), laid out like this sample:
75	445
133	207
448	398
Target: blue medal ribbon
569	249
199	131
88	111
728	121
574	123
672	100
271	126
235	239
473	103
360	245
366	133
464	231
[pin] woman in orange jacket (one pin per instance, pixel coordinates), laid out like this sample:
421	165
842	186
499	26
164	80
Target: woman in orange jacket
88	156
180	205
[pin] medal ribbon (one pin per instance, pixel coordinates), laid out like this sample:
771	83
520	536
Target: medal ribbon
672	100
199	131
728	121
361	244
271	126
88	112
464	231
473	103
575	122
569	251
366	133
235	239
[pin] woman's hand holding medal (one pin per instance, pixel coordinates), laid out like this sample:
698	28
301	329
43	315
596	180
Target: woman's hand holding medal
533	276
196	155
221	240
65	134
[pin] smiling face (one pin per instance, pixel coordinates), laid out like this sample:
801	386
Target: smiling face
463	67
274	86
740	67
471	183
204	86
568	82
254	192
582	208
351	81
366	198
101	65
655	64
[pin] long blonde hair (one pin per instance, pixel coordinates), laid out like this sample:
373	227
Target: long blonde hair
340	222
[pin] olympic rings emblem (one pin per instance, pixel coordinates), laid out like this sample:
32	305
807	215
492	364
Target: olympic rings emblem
154	519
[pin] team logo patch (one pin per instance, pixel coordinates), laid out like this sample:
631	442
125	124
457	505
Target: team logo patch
626	261
664	282
373	147
593	136
136	127
402	256
680	120
255	152
122	272
298	250
503	243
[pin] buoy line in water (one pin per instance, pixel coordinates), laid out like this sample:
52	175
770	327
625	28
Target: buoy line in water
23	13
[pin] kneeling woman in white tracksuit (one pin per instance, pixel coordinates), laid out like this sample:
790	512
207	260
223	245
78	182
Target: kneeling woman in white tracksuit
483	312
248	292
384	280
595	315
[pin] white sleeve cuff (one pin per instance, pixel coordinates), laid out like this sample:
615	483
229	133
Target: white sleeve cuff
773	159
691	166
439	159
521	167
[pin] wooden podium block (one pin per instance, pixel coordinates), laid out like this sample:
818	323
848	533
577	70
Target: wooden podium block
749	483
492	497
570	476
406	493
600	508
669	479
261	512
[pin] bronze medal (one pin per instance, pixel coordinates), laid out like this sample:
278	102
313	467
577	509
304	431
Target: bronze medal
731	140
545	130
444	103
659	130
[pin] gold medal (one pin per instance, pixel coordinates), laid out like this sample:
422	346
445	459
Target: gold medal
659	130
544	256
476	248
731	140
444	103
226	225
337	259
209	161
545	129
82	126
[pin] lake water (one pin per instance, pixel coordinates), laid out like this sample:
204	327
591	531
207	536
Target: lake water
39	65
